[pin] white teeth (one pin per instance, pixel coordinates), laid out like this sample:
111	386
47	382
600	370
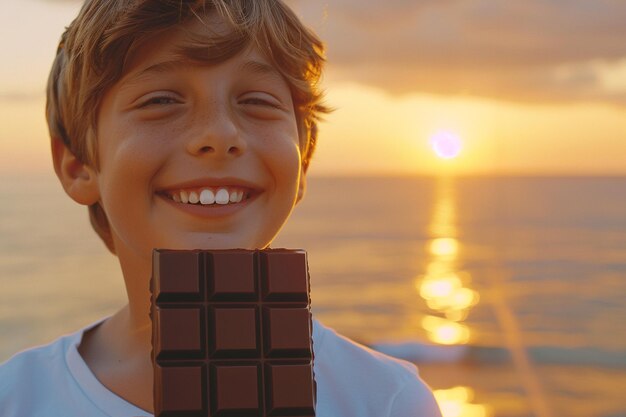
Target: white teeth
207	197
222	196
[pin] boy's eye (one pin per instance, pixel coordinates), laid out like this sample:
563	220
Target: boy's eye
262	101
158	100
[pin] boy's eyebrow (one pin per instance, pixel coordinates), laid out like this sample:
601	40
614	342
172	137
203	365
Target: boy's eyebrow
158	68
260	68
251	66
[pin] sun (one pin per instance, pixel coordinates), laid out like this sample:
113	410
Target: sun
446	145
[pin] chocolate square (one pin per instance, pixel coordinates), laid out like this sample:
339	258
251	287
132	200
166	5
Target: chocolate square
291	389
287	331
182	390
235	390
181	332
176	275
234	332
282	272
232	275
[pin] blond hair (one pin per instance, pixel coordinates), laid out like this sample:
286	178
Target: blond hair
94	49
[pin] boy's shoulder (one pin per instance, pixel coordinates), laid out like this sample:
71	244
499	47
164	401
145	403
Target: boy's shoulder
33	374
53	381
356	380
347	353
35	362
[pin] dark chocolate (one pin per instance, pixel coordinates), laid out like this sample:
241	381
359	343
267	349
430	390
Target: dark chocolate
231	333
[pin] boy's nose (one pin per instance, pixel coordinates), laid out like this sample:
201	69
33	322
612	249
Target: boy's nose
218	137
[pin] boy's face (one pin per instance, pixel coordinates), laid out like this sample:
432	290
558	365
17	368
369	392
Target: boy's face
166	131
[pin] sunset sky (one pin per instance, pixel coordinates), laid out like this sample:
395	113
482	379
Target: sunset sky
530	87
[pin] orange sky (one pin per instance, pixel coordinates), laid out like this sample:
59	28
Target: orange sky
536	87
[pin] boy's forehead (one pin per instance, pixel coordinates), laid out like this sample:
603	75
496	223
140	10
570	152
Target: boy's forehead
178	46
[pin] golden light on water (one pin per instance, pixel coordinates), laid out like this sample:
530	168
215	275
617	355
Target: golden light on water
446	332
444	246
447	292
456	402
444	287
443	222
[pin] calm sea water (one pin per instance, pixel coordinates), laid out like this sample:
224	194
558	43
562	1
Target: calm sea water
509	293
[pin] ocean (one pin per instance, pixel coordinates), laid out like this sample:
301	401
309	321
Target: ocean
509	293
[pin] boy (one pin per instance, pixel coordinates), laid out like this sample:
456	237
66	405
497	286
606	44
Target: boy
183	125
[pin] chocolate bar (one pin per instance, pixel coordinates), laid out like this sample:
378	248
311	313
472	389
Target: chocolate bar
231	333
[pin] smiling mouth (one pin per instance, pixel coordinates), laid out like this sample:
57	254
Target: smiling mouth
209	196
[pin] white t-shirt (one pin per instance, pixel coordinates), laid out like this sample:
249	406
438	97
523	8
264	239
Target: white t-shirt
352	381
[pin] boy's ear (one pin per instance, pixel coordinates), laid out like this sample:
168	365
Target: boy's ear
301	186
79	180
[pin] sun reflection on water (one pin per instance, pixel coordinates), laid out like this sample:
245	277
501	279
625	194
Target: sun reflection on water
447	291
444	246
447	294
445	332
444	287
456	402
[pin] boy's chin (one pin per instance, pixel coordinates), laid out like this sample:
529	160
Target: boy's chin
208	241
